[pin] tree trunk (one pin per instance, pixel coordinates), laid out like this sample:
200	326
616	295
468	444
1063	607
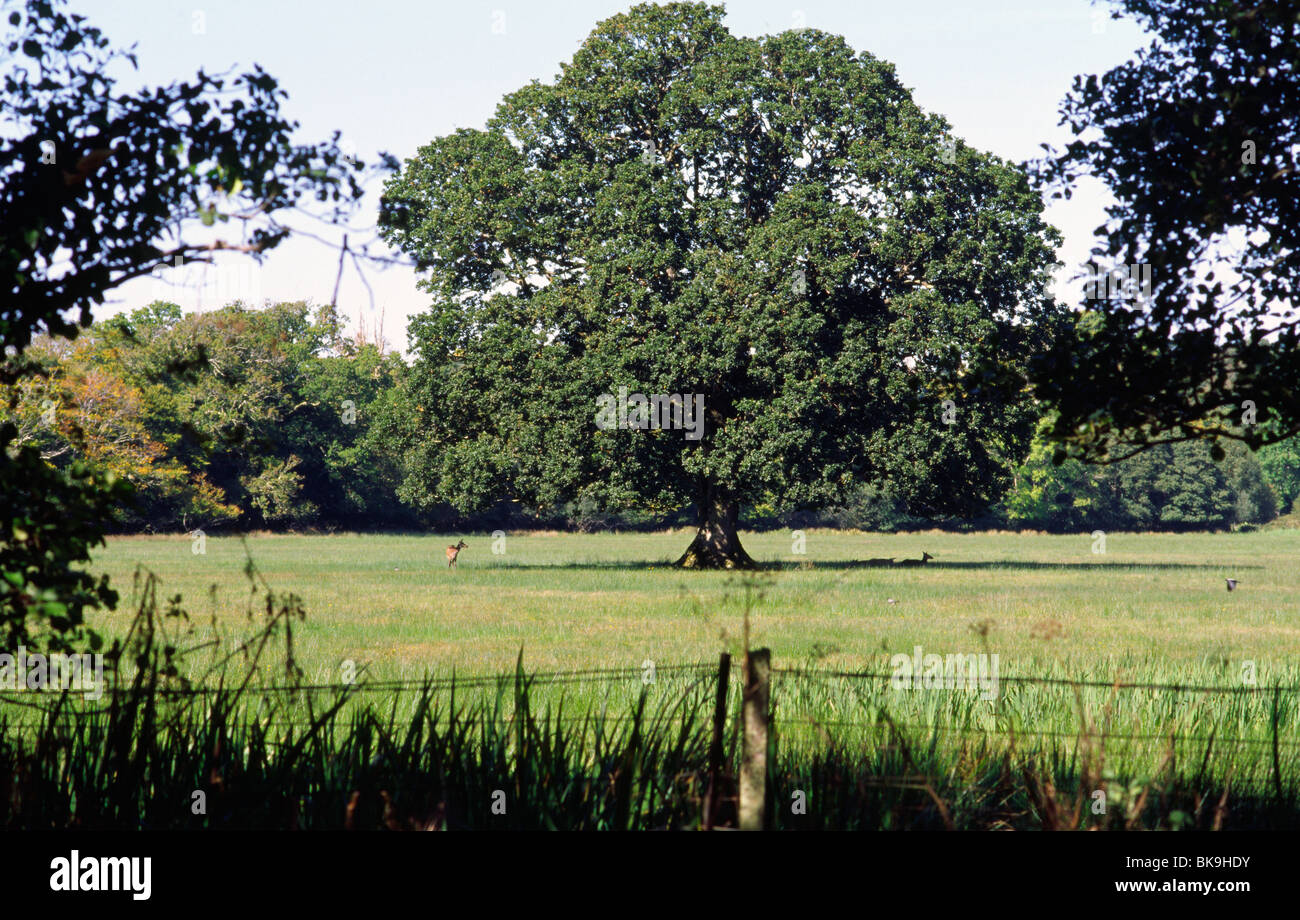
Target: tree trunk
716	544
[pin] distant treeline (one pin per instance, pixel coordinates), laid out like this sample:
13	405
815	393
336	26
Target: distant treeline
272	418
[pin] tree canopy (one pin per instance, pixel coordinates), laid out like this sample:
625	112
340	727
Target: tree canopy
255	418
1197	138
769	223
98	186
1168	487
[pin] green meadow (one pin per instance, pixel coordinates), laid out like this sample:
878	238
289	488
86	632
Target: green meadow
1149	607
1209	738
1150	610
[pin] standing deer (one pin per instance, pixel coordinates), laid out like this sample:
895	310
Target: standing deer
925	557
454	551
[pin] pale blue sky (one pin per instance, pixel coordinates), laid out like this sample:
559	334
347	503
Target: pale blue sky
393	74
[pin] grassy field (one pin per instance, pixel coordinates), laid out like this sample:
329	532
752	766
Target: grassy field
616	750
1046	604
1151	609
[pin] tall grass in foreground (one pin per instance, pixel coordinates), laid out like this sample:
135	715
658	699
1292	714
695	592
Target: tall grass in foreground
507	765
225	751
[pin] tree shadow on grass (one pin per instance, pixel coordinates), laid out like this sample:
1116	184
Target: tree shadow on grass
616	565
1012	564
841	564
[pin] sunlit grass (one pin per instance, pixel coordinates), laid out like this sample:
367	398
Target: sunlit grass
1153	609
1151	603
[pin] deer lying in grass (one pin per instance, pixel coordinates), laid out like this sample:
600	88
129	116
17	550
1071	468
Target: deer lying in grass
925	557
454	551
881	561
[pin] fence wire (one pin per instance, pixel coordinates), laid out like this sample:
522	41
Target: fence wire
1053	681
814	724
701	671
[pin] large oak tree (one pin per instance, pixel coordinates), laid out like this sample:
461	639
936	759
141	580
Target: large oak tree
771	223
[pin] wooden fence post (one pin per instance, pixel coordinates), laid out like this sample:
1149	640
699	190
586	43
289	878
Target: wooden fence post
753	764
715	749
